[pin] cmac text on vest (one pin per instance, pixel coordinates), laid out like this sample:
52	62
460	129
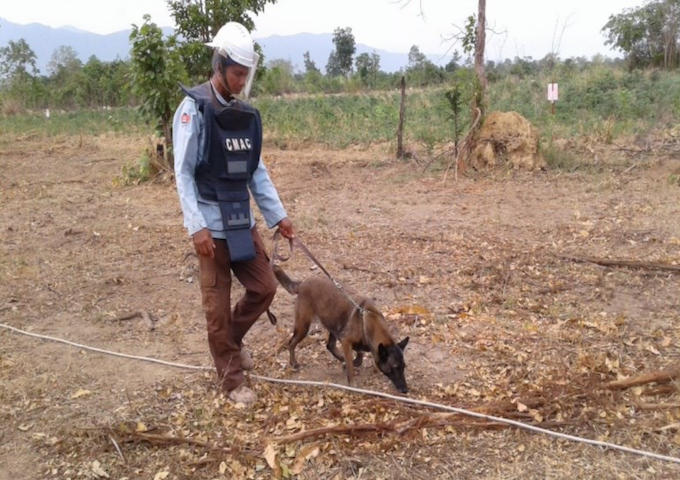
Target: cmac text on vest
238	144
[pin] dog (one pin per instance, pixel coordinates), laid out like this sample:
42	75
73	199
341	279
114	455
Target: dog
358	329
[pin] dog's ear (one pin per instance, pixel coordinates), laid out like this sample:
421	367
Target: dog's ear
403	343
382	353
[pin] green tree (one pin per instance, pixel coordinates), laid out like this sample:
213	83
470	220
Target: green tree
340	59
105	82
367	67
333	68
416	60
17	59
648	35
155	69
310	65
64	59
198	21
68	86
454	63
420	70
279	78
18	72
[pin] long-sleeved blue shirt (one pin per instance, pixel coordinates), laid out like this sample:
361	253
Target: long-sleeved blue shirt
188	142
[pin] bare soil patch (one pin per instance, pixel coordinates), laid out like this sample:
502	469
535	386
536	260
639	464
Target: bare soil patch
471	270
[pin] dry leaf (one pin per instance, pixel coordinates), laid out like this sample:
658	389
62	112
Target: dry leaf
653	350
223	467
141	427
161	475
25	428
270	456
98	470
521	407
306	452
81	393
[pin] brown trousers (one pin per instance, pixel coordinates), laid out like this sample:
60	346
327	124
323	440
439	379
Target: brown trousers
226	329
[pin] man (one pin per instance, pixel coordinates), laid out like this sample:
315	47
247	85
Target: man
217	141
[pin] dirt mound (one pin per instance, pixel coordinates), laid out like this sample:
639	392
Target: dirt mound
508	137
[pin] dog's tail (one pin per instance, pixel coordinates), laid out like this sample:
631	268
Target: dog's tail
286	282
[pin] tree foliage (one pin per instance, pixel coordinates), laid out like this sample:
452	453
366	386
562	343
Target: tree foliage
64	60
17	60
420	70
648	35
18	72
198	21
341	59
416	59
310	65
155	69
367	67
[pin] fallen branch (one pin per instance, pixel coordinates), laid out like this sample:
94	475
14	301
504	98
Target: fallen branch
143	314
657	406
126	316
660	376
623	263
336	429
204	461
398	426
170	440
360	269
660	390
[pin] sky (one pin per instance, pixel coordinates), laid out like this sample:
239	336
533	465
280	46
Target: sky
519	27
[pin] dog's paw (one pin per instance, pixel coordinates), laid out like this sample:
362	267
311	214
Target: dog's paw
358	361
295	366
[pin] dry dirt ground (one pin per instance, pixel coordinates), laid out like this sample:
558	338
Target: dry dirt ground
471	270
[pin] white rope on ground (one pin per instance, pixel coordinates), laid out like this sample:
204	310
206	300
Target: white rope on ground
506	421
107	352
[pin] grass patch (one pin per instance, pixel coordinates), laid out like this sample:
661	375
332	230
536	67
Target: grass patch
91	122
600	102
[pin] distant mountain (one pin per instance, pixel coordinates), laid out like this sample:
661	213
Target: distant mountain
44	40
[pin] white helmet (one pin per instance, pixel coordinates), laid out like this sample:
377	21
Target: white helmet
234	41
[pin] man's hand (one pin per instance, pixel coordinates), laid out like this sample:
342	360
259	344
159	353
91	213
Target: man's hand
203	242
286	228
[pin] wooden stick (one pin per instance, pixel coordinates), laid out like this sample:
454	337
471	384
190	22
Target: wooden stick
657	406
623	263
400	127
660	390
126	316
169	440
336	429
660	376
398	426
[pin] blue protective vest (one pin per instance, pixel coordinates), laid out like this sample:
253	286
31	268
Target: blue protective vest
232	147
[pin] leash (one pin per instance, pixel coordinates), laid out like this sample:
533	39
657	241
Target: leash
296	241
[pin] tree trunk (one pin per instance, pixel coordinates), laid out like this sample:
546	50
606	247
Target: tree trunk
400	129
480	45
168	156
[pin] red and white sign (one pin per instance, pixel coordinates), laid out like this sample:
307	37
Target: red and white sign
553	92
185	118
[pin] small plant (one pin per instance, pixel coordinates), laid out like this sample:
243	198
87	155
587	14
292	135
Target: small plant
454	96
674	179
604	132
135	174
559	159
